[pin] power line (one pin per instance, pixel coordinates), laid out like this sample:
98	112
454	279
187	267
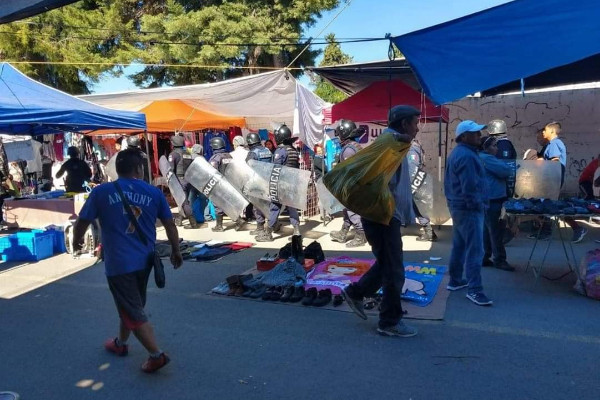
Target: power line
114	64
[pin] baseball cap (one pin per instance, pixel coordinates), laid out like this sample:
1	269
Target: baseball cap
468	126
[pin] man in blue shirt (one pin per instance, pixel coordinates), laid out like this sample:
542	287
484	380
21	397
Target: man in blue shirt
465	187
557	151
126	258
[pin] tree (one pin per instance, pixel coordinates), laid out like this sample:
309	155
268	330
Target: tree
218	33
333	55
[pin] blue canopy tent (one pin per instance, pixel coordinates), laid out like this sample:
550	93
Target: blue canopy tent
28	107
13	10
521	44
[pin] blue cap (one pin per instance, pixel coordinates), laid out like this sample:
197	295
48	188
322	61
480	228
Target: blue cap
468	126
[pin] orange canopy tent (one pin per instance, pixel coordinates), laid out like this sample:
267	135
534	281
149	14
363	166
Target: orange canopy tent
176	115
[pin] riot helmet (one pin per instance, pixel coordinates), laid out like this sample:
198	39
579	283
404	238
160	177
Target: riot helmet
253	139
197	149
283	134
177	141
217	143
133	141
399	113
496	127
347	130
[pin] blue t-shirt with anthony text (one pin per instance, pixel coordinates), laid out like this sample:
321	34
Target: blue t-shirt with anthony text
123	249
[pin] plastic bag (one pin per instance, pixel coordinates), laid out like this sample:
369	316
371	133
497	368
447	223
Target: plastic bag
360	183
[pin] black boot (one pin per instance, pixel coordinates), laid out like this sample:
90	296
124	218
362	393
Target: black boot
427	234
266	235
359	240
297	250
193	223
260	227
340	236
219	226
239	224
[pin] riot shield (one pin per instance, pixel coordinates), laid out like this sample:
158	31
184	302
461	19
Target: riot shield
175	187
538	178
111	168
244	179
330	204
422	191
216	187
288	186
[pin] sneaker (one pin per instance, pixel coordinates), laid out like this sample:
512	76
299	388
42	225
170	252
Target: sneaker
400	330
454	285
579	234
111	346
480	299
154	364
355	305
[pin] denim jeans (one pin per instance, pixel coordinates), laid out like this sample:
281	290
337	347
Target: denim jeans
467	247
493	233
386	273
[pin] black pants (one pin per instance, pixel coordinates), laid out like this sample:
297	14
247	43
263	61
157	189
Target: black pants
493	232
421	219
386	273
587	190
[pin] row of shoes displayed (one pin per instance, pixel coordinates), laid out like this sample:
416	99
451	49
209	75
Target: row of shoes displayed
570	206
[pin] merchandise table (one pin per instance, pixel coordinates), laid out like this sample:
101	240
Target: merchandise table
38	213
567	247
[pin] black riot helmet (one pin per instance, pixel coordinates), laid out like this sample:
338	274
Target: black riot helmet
133	141
252	139
347	130
283	135
177	141
217	143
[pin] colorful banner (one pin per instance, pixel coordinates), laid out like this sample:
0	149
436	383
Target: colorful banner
421	284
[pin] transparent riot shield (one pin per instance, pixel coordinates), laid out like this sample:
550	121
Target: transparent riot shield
111	168
216	187
288	186
330	204
538	178
422	190
175	187
245	180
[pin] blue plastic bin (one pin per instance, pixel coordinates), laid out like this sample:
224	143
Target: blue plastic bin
27	246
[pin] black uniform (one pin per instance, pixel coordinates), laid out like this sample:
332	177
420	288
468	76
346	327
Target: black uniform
259	153
180	161
288	156
507	152
77	173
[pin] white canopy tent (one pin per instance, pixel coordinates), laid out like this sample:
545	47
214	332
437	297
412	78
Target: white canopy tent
264	100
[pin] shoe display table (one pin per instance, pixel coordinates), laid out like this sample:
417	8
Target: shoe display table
38	213
567	246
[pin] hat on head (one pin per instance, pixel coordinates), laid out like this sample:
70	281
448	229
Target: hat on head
468	126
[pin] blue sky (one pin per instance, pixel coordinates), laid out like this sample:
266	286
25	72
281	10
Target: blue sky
365	18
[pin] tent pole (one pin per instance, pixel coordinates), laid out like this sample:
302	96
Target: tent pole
148	157
440	149
446	147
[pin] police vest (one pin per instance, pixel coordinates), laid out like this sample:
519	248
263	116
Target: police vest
293	158
180	167
187	160
262	154
222	160
351	145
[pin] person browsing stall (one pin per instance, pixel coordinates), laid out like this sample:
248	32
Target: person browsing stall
77	170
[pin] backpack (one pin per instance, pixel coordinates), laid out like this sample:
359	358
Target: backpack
314	251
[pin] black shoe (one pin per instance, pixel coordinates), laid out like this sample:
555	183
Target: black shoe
323	298
276	293
267	294
487	262
480	299
298	294
309	297
287	294
258	292
337	300
504	266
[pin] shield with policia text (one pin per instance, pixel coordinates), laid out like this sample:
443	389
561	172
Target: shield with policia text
288	186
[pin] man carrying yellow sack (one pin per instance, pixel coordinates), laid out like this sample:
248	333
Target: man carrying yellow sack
386	240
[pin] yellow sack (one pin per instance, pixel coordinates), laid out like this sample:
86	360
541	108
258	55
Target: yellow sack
360	183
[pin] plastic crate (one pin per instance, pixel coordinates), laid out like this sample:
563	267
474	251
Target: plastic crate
59	240
27	246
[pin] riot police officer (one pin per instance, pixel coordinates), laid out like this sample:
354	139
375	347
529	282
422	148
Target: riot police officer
415	166
258	152
349	134
180	160
506	152
135	143
286	155
219	159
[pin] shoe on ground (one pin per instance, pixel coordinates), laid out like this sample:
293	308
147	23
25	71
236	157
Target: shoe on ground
399	330
354	304
154	364
480	299
504	266
298	294
454	285
310	296
323	298
111	346
579	234
487	262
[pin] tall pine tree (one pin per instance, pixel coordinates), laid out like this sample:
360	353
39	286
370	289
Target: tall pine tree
333	55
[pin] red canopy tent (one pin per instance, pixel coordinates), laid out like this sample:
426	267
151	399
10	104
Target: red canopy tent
373	103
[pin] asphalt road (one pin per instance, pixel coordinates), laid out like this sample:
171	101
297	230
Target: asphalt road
536	342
